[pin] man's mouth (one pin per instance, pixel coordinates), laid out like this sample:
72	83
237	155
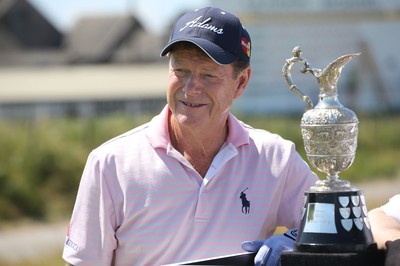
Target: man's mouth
192	104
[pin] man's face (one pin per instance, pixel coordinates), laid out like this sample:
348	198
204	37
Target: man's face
200	91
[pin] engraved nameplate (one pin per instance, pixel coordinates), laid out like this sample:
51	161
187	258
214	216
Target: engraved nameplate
320	218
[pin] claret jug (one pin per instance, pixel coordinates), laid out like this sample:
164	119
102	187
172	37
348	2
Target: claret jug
335	216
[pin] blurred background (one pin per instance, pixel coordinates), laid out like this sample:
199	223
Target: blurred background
75	73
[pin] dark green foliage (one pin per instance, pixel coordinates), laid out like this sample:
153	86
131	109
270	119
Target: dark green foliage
378	147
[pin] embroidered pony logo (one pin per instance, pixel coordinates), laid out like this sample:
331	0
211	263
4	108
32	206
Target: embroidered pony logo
245	202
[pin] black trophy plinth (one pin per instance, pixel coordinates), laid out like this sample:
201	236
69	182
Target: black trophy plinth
335	230
334	222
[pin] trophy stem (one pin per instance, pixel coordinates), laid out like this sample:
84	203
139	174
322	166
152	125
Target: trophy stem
332	177
332	184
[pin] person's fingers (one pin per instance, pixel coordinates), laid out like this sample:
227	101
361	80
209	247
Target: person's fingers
252	246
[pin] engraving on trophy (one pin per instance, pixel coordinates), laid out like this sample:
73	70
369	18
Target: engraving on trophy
362	197
358	223
347	224
355	200
365	210
320	218
345	212
357	211
344	201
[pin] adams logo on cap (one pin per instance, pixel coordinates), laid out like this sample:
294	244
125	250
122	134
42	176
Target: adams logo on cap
246	46
204	25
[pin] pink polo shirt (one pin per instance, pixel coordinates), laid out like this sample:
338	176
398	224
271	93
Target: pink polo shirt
142	200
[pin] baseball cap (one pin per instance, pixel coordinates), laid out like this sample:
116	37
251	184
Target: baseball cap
218	33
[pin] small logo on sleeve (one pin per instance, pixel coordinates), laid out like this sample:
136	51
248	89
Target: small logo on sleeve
245	202
71	244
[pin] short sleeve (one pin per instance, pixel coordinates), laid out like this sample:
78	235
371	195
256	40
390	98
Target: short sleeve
392	208
91	234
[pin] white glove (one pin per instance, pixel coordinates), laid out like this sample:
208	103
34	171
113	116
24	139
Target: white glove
269	251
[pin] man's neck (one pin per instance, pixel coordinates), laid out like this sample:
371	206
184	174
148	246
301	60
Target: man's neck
198	146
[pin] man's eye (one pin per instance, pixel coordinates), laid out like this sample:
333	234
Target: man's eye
210	76
180	71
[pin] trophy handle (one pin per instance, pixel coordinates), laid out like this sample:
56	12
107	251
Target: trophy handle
287	75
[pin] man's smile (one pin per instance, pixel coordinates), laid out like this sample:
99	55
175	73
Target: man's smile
192	104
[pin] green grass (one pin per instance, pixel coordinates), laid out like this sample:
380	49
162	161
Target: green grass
51	260
378	144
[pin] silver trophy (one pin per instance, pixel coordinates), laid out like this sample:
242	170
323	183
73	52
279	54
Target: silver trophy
334	217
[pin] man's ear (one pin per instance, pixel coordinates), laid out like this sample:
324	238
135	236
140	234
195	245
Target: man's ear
242	81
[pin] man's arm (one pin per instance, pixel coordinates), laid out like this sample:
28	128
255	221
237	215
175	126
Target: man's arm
383	227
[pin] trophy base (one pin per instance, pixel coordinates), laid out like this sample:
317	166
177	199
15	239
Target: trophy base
370	257
334	222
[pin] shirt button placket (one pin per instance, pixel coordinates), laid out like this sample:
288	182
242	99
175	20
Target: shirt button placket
202	210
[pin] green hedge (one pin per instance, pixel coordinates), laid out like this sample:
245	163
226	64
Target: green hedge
41	162
378	147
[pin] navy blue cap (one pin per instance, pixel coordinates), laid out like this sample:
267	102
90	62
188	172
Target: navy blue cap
218	33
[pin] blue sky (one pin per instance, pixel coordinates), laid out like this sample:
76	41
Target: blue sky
155	14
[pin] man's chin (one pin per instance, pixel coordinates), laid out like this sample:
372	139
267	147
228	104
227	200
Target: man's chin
192	121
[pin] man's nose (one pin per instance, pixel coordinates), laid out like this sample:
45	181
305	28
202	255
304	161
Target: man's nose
193	85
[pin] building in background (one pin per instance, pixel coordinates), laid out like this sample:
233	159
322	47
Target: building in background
103	65
28	38
23	27
325	30
98	48
82	90
111	39
26	35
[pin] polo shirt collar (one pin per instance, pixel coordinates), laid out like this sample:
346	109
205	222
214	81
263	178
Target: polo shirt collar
158	134
238	133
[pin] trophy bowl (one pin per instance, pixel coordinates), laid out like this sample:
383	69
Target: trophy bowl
330	141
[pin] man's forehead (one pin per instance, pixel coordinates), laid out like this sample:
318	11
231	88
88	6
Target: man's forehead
188	52
191	52
188	47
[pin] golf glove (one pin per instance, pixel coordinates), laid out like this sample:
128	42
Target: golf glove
269	251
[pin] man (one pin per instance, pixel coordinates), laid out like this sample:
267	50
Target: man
169	190
385	225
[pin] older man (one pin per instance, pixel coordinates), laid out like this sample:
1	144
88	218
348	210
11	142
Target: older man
169	190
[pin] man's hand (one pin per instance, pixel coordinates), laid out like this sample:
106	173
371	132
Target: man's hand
269	251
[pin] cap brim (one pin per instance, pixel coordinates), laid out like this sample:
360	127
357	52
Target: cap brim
215	52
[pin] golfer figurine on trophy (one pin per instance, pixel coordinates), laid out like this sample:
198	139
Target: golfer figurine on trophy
335	216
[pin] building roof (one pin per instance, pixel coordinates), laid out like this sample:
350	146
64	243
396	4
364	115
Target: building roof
83	83
94	39
26	26
5	6
103	39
